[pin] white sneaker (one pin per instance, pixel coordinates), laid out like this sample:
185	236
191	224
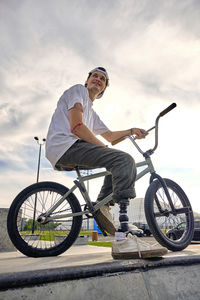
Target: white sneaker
105	219
132	247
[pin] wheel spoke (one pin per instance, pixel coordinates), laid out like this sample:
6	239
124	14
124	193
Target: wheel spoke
44	233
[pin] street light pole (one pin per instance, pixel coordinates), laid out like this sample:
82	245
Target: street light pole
39	156
38	172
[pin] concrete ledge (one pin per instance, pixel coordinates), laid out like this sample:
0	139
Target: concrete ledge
81	239
31	237
30	278
5	242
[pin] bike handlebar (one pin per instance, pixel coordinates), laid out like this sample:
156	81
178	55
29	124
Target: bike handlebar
168	109
164	112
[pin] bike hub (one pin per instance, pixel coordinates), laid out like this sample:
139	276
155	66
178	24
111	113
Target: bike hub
42	219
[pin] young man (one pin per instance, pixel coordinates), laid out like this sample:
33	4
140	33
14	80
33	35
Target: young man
72	140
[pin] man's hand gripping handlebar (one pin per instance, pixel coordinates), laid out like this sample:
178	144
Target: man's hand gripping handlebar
137	132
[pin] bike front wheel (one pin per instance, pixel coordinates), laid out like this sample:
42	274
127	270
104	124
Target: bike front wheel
51	237
172	229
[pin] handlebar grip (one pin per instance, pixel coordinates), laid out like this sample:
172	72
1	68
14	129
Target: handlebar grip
118	140
166	110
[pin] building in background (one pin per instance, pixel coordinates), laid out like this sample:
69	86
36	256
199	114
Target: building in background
135	212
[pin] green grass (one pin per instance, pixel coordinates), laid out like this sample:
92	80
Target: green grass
50	235
100	244
85	233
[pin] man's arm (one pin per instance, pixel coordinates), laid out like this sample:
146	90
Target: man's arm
79	128
111	136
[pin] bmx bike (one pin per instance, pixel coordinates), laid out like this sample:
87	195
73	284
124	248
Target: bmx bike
45	218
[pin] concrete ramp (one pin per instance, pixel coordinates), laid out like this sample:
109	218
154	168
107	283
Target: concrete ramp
166	278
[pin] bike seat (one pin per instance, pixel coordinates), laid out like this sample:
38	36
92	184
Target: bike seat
62	167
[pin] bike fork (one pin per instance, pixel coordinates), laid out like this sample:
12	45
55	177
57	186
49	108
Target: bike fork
163	184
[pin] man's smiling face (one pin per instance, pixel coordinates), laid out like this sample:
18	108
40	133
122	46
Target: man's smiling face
96	82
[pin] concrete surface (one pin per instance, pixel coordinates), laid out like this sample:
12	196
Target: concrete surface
5	243
89	272
167	283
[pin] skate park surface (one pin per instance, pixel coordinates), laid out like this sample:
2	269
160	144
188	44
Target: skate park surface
89	272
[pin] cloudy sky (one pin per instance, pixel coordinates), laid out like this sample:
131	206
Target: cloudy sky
151	50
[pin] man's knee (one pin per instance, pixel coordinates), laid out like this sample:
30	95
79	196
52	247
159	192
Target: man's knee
127	160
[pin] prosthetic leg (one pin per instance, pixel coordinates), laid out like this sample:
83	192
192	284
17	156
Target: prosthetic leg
123	217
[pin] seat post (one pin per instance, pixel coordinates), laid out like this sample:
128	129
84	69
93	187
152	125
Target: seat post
78	171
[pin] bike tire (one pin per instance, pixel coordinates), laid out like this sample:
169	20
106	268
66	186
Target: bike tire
43	239
161	224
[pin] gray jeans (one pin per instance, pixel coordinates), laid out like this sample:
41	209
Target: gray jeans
119	163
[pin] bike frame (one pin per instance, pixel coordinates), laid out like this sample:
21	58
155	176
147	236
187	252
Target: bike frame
79	183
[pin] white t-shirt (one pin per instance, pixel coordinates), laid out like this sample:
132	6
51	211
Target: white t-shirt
59	137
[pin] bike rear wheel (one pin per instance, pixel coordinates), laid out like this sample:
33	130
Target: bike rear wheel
51	238
162	221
